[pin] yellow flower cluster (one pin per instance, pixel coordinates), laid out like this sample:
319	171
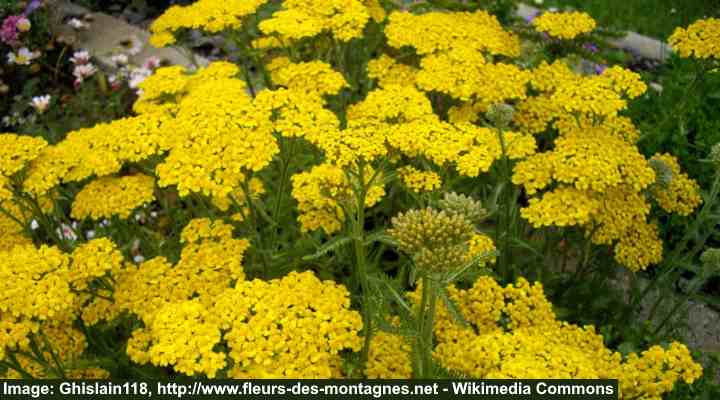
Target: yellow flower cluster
93	260
205	156
699	40
39	290
297	113
392	104
513	333
575	100
15	152
564	206
100	150
470	148
389	356
464	74
389	72
161	91
682	195
593	175
12	233
184	337
289	327
428	33
565	25
66	343
461	67
209	15
113	196
322	193
210	261
344	19
419	181
268	333
315	76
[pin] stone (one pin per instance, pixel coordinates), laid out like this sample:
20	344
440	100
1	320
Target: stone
106	34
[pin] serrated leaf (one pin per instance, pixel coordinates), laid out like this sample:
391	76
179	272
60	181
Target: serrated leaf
525	245
453	308
472	263
332	245
380	237
384	282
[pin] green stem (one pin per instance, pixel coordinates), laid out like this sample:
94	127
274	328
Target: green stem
361	268
508	199
285	159
671	263
426	318
252	217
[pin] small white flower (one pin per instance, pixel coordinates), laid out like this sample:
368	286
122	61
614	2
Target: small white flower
40	103
34	225
137	76
133	46
105	222
66	232
138	258
90	234
23	56
119	59
152	62
80	57
84	71
76	23
153	214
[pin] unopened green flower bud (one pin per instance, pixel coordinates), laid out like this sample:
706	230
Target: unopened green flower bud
436	240
500	114
454	203
710	258
715	155
663	172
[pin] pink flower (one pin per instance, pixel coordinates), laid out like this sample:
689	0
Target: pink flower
9	30
83	71
151	63
80	57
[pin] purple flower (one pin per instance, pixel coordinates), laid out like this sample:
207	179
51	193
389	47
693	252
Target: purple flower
591	47
34	5
9	31
529	19
600	68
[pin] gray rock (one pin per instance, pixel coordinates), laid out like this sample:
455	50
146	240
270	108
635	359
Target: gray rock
107	33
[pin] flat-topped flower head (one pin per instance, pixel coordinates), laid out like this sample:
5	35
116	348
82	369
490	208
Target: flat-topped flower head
565	25
699	40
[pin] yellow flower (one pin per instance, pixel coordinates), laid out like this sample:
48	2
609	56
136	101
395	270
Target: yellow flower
389	356
564	206
699	40
388	72
682	195
93	260
429	32
419	181
565	25
209	15
293	327
323	191
110	196
315	76
344	19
